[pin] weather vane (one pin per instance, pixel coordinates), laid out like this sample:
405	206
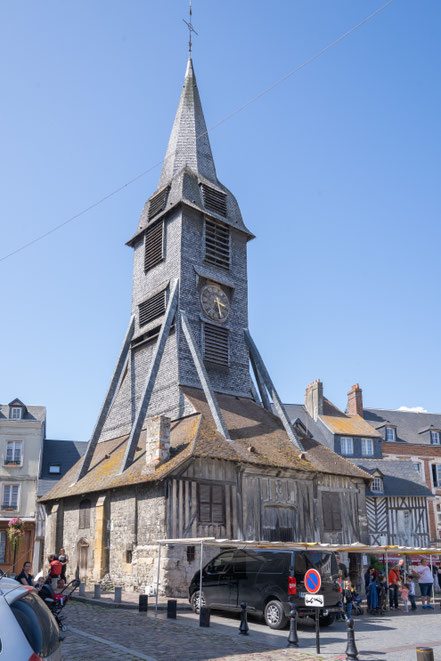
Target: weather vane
190	28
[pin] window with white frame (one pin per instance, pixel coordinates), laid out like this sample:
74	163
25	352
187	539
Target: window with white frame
377	485
367	447
346	445
13	452
15	412
391	434
2	546
10	496
417	465
435	437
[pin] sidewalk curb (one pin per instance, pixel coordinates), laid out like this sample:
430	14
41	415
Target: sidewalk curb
126	605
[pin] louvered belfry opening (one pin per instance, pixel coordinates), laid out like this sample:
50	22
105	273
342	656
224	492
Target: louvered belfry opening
158	202
152	308
154	246
214	200
217	243
216	344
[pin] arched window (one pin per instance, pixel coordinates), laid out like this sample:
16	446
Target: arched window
85	513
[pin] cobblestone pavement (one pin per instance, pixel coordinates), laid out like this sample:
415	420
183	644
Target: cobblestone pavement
99	633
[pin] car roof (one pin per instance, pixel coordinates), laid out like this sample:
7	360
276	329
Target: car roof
7	585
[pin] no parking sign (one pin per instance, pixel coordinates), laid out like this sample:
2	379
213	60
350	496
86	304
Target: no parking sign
313	581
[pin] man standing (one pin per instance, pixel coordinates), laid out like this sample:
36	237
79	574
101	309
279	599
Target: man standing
394	579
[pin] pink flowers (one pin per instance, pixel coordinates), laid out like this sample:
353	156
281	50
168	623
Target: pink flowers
15	532
15	522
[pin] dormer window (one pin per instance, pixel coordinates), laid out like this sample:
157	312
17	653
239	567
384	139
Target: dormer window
346	445
54	469
435	438
15	413
367	447
377	485
391	434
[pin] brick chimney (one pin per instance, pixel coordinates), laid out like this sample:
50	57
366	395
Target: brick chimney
314	399
355	401
157	447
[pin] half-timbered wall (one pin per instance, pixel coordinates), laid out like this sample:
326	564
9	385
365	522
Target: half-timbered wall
398	520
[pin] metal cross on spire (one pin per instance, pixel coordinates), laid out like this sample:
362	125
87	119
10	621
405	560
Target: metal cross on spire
190	28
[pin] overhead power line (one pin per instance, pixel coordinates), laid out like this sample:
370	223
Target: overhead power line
214	126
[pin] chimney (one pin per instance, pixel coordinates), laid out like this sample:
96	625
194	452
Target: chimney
355	401
157	444
314	399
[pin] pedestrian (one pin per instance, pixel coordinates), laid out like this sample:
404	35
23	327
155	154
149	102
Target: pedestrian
25	575
347	598
64	559
55	567
412	593
404	594
425	576
341	566
394	579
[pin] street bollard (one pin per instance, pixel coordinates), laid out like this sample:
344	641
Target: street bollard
204	617
143	603
82	590
118	595
424	654
243	627
351	648
293	639
97	591
171	609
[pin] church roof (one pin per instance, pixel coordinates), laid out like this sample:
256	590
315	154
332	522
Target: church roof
257	438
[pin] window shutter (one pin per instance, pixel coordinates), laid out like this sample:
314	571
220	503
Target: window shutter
214	200
218	504
336	511
84	518
152	308
158	202
154	253
217	244
434	475
216	344
204	503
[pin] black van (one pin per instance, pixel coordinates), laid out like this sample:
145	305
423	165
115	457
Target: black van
265	579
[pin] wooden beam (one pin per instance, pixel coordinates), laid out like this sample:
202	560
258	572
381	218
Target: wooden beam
203	378
151	378
281	412
114	386
260	383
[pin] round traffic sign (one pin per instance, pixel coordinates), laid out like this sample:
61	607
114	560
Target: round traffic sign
313	581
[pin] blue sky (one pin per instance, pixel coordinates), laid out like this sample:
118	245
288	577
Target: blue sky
337	172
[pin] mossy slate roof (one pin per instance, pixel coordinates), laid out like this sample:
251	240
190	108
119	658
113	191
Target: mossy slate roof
257	438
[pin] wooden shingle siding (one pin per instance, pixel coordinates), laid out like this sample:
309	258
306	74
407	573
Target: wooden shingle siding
154	246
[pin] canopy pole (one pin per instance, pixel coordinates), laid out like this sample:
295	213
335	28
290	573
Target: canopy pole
200	581
433	582
157	580
387	582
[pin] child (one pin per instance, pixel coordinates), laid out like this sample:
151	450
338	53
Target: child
412	593
40	583
347	597
404	592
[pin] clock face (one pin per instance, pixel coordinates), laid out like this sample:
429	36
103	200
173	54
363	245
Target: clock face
215	303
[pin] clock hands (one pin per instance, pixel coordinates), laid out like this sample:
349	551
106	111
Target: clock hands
219	304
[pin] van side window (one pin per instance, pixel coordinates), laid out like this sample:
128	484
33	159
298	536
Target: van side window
300	566
246	562
220	564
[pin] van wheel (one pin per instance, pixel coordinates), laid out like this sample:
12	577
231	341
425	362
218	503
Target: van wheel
196	602
274	616
326	620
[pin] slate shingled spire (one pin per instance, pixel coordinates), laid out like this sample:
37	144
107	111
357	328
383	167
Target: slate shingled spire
189	145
